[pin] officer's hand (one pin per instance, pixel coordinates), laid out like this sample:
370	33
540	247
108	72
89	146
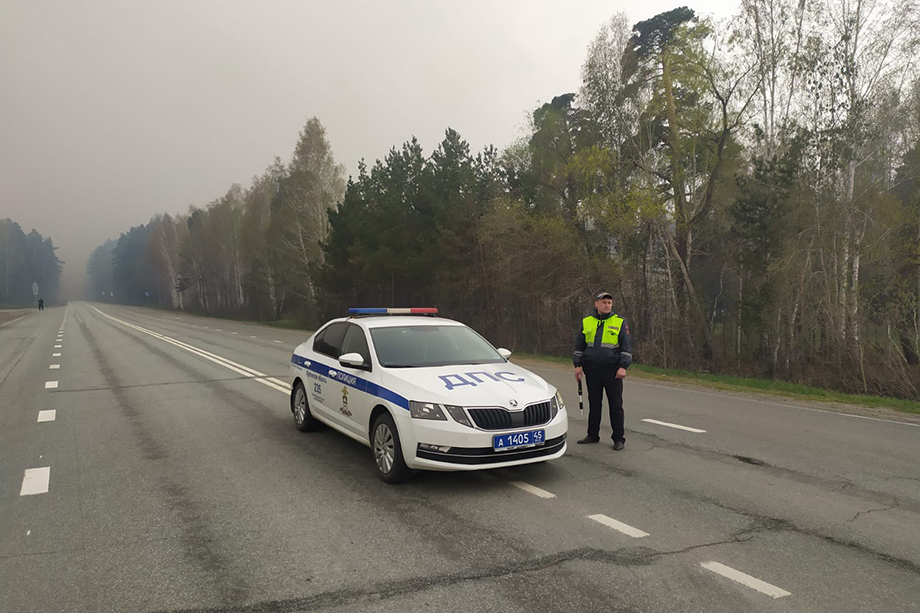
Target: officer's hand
578	373
621	373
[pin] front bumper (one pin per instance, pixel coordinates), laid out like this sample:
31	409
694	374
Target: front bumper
464	448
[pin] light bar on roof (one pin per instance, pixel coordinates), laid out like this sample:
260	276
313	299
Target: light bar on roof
412	311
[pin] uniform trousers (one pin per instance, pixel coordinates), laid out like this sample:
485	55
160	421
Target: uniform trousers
599	378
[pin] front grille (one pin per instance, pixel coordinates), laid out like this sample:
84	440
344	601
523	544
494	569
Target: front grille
537	414
503	419
492	419
487	455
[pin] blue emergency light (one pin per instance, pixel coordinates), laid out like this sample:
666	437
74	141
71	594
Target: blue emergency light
379	311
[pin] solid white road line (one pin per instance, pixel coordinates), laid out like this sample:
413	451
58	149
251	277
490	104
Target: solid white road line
55	355
222	361
752	582
670	425
277	341
532	489
35	481
54	367
47	415
51	385
11	321
618	526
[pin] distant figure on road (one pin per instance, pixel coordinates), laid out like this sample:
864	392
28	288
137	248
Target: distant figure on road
603	352
41	304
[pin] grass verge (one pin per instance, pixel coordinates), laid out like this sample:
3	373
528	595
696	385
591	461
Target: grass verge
750	384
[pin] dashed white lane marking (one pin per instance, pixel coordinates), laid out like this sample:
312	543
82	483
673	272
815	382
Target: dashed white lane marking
218	330
234	333
55	355
532	489
54	367
752	582
58	346
277	341
47	415
250	336
51	385
670	425
212	357
35	481
618	526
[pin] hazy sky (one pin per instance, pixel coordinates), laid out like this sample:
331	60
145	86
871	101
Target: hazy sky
111	112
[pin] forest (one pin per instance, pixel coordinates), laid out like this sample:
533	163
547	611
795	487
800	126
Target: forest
26	259
748	190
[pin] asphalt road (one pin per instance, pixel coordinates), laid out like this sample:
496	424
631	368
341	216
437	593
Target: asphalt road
171	478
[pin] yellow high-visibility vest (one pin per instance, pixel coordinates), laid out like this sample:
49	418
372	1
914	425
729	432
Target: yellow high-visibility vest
610	337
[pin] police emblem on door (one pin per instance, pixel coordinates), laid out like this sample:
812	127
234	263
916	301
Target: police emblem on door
344	408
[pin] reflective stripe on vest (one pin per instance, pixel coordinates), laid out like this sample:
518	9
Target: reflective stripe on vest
610	338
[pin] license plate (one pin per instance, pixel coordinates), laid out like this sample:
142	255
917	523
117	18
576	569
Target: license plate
503	442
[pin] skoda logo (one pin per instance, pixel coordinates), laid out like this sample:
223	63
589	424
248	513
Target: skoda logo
513	402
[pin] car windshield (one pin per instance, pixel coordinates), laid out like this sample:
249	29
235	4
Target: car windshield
421	346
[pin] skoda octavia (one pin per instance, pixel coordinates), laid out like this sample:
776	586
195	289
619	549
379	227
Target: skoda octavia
424	392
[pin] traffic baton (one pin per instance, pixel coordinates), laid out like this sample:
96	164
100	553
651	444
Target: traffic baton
581	404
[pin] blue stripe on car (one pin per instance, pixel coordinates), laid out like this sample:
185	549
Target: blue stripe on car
350	380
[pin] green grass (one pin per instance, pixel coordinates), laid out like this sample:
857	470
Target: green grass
750	384
286	324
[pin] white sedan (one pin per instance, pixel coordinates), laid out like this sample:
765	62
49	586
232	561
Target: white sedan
424	393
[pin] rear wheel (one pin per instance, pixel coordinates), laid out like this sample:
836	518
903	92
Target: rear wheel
300	407
387	451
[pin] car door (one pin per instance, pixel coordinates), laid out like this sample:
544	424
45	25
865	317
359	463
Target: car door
322	387
356	403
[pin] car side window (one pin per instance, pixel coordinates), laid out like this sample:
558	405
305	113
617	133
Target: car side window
318	340
356	342
330	340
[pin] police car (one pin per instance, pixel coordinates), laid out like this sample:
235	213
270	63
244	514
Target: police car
424	392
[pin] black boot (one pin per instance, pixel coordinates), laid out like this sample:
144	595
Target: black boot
589	439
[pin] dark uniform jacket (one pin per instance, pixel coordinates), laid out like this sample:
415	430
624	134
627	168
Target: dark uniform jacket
595	355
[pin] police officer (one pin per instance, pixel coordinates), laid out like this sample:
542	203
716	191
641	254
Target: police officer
603	352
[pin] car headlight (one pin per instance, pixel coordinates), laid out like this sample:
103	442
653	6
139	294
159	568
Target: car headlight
556	403
459	415
426	410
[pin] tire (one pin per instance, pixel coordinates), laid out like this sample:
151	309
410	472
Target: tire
388	457
300	407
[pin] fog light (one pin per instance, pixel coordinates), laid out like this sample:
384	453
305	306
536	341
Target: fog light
429	447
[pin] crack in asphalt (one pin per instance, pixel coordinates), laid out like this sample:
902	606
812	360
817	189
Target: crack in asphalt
625	557
774	524
894	505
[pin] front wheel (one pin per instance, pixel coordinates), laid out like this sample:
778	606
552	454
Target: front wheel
391	467
300	407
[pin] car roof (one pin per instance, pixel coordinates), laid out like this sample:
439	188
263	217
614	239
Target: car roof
391	321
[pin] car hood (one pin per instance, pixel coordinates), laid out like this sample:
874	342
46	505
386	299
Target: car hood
484	385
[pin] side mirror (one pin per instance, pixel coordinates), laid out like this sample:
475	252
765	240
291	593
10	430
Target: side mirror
504	352
354	360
